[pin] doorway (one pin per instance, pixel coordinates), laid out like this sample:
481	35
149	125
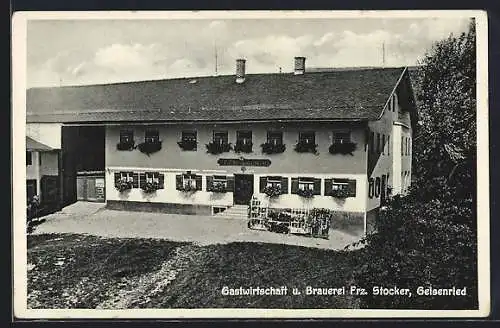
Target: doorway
243	189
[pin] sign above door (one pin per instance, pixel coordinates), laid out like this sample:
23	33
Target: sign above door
243	162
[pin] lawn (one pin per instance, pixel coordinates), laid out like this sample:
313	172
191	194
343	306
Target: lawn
82	271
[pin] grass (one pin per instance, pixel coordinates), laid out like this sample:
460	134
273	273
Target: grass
80	271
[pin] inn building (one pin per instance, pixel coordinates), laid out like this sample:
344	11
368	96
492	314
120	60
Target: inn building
338	139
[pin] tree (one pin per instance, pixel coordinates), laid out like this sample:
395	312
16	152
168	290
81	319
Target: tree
428	238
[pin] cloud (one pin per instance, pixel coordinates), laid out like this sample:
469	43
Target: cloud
265	52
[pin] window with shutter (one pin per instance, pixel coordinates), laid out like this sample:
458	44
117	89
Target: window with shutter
377	187
307	137
378	143
29	159
306	183
388	145
142	179
372	142
152	136
383	143
126	136
341	137
117	177
275	137
220	137
371	188
352	188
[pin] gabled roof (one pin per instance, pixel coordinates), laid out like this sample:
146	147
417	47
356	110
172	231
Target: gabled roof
336	95
32	144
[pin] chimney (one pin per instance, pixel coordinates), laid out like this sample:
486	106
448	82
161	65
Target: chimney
240	70
300	65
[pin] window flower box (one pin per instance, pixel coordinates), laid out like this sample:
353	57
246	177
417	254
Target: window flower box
129	145
219	187
272	191
302	147
188	144
342	148
339	193
270	148
149	147
187	188
243	147
218	148
150	187
122	185
306	193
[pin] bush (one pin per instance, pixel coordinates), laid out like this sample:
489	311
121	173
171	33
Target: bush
302	147
122	186
218	148
269	148
420	244
342	148
149	147
272	191
150	187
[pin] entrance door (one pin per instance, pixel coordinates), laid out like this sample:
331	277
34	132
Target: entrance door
50	189
243	188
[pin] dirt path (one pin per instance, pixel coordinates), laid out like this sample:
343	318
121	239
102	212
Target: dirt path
133	293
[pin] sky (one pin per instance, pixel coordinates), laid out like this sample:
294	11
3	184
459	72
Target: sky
78	52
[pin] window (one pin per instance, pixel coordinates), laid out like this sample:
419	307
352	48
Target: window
306	184
340	185
402	146
378	143
273	182
275	137
220	137
388	145
189	136
189	181
244	137
40	159
409	146
188	140
152	177
152	136
372	142
29	159
393	100
307	138
126	136
383	144
220	180
127	176
341	137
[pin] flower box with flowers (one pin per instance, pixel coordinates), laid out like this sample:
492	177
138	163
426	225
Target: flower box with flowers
149	147
127	145
272	191
150	187
342	148
215	148
270	148
341	193
219	187
303	147
123	185
187	188
187	144
241	147
307	193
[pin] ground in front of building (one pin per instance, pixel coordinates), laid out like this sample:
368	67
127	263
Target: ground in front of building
95	219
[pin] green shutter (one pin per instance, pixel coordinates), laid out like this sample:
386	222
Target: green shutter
328	186
352	188
284	185
370	188
135	180
230	183
317	186
295	185
161	181
262	183
210	180
377	187
178	181
142	179
117	177
198	179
